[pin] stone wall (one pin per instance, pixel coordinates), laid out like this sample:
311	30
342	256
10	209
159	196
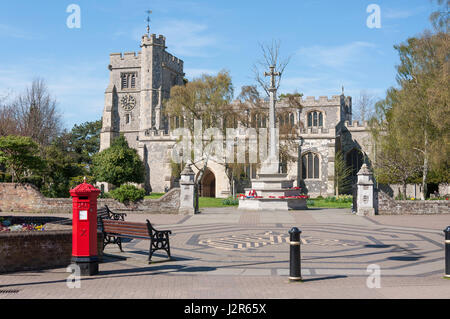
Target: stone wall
389	206
21	251
27	198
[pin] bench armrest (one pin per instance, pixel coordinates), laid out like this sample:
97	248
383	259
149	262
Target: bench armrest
163	231
117	216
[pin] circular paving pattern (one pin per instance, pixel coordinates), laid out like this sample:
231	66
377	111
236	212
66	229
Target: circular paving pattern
256	240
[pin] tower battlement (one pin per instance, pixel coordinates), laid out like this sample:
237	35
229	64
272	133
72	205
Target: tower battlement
173	62
355	125
126	59
321	100
152	39
157	135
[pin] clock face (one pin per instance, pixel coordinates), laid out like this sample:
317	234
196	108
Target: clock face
128	102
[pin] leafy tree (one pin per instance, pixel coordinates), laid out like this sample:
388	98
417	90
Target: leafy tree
412	122
82	142
20	155
59	171
342	174
208	99
395	164
439	18
118	164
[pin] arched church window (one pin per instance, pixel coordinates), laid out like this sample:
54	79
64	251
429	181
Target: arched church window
315	119
310	166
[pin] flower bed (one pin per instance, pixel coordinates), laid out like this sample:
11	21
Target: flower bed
6	225
243	196
31	224
23	249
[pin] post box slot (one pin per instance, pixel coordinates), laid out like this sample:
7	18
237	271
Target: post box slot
83	197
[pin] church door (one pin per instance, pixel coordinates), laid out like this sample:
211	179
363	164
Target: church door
208	184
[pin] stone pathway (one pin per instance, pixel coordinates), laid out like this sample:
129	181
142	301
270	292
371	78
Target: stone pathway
227	253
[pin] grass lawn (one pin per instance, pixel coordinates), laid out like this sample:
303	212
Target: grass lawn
154	195
211	202
321	203
218	202
202	201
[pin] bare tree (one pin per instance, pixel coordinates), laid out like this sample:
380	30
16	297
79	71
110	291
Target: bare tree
35	113
8	125
364	106
270	57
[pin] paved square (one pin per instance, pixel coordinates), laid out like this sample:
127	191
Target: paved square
227	253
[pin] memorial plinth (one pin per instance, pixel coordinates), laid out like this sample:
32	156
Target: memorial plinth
272	190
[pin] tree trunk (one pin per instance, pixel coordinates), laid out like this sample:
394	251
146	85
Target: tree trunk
404	189
425	169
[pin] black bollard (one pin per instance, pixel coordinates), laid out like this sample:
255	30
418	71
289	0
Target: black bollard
447	252
295	273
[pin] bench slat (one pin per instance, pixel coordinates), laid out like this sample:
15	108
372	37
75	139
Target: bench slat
122	223
122	231
131	236
126	225
133	229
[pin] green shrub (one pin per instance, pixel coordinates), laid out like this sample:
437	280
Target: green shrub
230	201
330	199
105	195
127	193
319	197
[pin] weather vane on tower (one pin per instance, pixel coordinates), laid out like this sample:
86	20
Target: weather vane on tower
148	21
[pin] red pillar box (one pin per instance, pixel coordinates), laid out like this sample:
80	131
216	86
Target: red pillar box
84	228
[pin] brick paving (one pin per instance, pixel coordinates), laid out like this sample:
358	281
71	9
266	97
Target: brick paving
227	253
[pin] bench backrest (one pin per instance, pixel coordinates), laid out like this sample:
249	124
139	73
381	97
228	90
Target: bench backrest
103	212
126	229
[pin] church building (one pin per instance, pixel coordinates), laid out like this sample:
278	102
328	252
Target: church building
138	84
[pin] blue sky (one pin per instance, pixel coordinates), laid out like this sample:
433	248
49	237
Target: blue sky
329	43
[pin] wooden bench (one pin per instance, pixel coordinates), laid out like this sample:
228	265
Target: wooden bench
114	230
106	213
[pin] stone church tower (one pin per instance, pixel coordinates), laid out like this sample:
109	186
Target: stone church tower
133	99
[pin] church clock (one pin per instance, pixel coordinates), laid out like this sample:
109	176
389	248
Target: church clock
128	102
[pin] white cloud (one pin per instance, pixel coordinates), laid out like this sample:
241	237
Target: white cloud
327	84
8	31
184	38
335	57
390	13
194	73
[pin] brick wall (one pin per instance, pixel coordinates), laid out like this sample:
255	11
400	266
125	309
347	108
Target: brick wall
21	251
27	198
389	206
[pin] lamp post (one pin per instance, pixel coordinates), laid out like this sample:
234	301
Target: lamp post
299	161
